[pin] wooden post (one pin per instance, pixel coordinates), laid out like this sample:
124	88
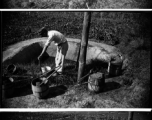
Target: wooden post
130	116
84	43
77	63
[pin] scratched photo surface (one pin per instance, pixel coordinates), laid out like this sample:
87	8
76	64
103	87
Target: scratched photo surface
105	56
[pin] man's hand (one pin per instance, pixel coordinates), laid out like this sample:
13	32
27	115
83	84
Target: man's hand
39	57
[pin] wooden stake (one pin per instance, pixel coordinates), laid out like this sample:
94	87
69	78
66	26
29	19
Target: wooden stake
84	43
130	116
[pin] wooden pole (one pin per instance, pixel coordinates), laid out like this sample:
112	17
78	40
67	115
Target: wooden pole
84	43
130	116
77	63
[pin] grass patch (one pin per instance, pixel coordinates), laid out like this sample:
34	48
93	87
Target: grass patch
107	27
77	4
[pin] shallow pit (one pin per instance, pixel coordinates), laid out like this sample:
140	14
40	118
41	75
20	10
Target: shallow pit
27	51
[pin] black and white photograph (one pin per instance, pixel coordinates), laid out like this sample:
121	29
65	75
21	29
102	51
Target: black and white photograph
75	59
76	4
76	115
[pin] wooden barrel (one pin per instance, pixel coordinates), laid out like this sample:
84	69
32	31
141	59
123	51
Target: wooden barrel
96	82
40	91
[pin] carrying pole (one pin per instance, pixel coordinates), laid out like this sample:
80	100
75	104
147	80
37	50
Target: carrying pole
84	43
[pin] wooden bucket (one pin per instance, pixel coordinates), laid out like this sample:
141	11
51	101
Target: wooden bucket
96	82
115	66
7	88
115	69
40	91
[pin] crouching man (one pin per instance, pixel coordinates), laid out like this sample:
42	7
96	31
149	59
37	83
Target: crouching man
62	46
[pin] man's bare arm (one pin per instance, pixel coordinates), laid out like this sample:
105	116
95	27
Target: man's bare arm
44	50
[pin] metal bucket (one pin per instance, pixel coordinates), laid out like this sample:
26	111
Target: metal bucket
40	91
96	82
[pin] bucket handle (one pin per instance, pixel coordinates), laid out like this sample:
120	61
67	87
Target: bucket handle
49	76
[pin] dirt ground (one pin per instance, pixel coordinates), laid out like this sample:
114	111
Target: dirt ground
123	91
62	94
60	98
131	89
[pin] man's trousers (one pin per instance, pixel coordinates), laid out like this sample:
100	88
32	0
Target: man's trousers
60	56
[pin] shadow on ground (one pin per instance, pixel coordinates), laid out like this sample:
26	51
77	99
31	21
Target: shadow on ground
20	92
109	86
56	91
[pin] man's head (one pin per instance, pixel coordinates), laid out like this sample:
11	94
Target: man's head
43	32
